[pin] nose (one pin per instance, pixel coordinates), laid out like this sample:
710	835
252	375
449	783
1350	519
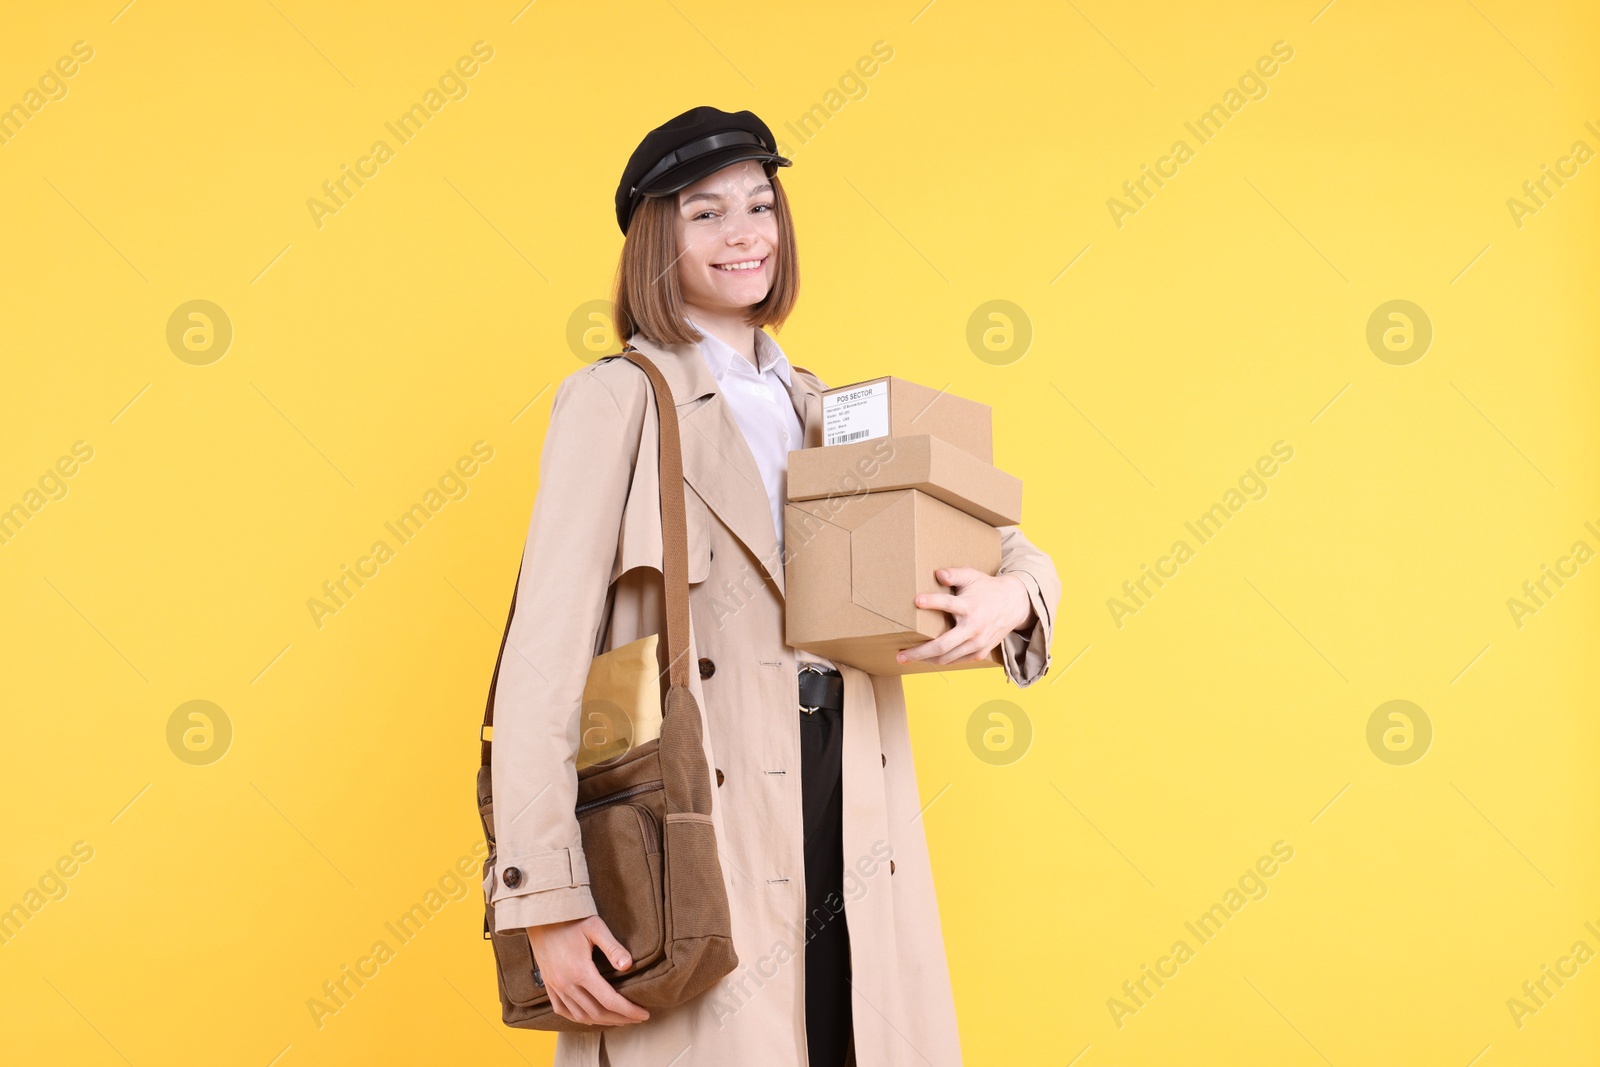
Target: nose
739	229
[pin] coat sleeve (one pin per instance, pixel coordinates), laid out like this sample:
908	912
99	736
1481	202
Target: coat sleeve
585	470
1026	652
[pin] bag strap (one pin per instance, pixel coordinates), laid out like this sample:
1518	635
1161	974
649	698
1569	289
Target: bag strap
674	549
674	524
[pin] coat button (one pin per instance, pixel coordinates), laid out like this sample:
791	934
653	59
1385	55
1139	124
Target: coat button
512	877
891	866
707	668
719	775
884	759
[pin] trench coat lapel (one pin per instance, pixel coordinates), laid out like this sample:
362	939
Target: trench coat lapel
807	404
717	462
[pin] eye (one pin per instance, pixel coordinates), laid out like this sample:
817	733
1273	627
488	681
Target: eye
702	215
762	207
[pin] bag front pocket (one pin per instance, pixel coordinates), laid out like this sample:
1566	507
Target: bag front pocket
622	846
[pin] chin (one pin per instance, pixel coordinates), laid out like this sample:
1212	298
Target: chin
736	295
741	297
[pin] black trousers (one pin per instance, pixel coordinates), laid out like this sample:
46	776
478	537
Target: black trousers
828	1019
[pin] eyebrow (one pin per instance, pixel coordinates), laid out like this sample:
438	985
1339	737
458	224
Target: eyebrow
764	187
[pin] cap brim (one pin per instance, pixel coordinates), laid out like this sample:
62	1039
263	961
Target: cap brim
691	171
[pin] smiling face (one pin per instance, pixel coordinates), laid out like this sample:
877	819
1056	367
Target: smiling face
727	239
678	247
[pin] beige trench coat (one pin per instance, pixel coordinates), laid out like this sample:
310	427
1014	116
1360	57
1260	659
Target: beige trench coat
596	526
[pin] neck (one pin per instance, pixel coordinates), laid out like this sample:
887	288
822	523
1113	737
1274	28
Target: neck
728	327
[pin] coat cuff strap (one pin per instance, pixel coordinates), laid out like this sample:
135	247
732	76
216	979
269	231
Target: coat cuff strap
560	868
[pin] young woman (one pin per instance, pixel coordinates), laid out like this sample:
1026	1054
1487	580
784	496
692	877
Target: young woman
834	917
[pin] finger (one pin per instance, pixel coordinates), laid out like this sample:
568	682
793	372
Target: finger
600	934
559	1003
939	645
942	602
584	1007
958	576
598	1013
611	1001
966	650
926	650
955	655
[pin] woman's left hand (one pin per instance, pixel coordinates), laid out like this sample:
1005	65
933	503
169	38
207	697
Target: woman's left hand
986	608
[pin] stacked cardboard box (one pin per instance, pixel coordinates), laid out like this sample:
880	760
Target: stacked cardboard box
904	483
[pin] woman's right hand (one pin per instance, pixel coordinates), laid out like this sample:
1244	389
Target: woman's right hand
566	964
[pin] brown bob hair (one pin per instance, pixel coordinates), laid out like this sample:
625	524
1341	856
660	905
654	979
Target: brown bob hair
648	299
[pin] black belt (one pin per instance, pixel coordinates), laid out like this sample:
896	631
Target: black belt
820	687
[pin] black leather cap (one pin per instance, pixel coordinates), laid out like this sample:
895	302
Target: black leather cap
685	149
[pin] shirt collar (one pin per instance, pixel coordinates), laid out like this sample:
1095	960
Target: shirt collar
719	355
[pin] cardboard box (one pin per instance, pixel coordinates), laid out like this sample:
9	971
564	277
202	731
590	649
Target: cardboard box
923	462
855	564
894	407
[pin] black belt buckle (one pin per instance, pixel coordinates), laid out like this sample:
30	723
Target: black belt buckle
814	668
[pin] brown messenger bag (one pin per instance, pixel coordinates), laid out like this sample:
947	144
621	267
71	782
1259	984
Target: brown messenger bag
645	818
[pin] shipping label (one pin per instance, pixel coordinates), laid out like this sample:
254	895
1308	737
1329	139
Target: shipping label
856	414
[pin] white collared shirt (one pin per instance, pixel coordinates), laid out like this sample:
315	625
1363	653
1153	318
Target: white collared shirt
759	400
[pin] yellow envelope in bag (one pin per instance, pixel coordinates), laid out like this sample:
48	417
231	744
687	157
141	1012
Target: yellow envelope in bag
621	702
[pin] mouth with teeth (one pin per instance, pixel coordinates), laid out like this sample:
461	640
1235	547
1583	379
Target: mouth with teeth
742	266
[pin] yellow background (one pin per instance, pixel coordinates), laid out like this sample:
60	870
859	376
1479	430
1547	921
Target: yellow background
432	311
